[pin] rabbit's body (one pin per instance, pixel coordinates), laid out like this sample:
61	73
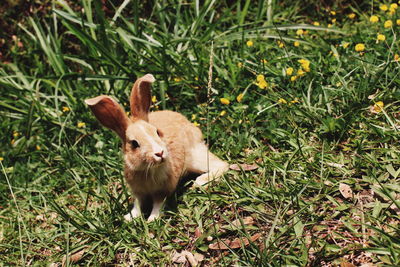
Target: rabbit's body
159	147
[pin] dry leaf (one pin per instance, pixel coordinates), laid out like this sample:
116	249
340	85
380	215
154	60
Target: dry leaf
245	167
246	221
187	256
346	264
336	165
197	232
232	244
74	258
345	190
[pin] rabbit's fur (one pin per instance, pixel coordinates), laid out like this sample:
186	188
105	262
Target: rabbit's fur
159	147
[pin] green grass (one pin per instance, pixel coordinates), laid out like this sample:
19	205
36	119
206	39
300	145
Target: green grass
62	187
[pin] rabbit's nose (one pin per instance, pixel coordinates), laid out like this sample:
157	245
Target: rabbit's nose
159	154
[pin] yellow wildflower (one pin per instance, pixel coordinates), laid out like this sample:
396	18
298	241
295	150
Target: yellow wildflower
15	134
249	43
352	15
12	141
305	64
65	109
81	125
38	147
240	64
177	79
281	44
264	61
316	23
394	6
333	13
333	20
300	72
396	57
289	71
380	37
330	25
196	124
225	101
261	81
222	113
196	78
398	22
360	47
295	101
154	99
392	11
299	32
388	24
296	44
282	101
346	44
1	158
293	78
383	7
239	98
378	107
194	116
374	19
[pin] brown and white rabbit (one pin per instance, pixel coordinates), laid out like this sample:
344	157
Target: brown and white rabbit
159	147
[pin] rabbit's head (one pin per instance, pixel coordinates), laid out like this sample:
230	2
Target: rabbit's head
142	143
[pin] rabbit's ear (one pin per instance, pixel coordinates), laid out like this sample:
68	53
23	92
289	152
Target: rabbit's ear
141	97
109	113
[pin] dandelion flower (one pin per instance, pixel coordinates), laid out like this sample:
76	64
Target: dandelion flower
282	101
360	47
378	107
81	125
1	158
333	20
264	61
305	64
398	22
380	37
289	71
194	116
300	72
293	78
65	109
330	25
299	32
222	113
316	23
396	57
295	101
374	19
249	43
196	124
240	64
12	141
224	101
261	83
352	15
177	79
15	134
394	6
296	44
38	147
239	98
383	7
333	13
280	44
346	44
388	24
196	78
260	78
154	99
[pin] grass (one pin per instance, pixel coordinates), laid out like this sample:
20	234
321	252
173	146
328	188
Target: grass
62	187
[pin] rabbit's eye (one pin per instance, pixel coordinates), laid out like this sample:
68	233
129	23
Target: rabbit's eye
134	144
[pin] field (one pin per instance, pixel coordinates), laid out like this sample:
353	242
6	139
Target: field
305	98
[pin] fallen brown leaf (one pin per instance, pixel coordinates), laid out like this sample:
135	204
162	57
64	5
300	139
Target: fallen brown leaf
74	258
345	190
246	221
245	167
187	256
233	244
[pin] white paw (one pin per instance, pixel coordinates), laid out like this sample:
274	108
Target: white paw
201	180
152	218
131	215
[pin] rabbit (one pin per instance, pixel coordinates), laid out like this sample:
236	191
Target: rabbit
159	147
